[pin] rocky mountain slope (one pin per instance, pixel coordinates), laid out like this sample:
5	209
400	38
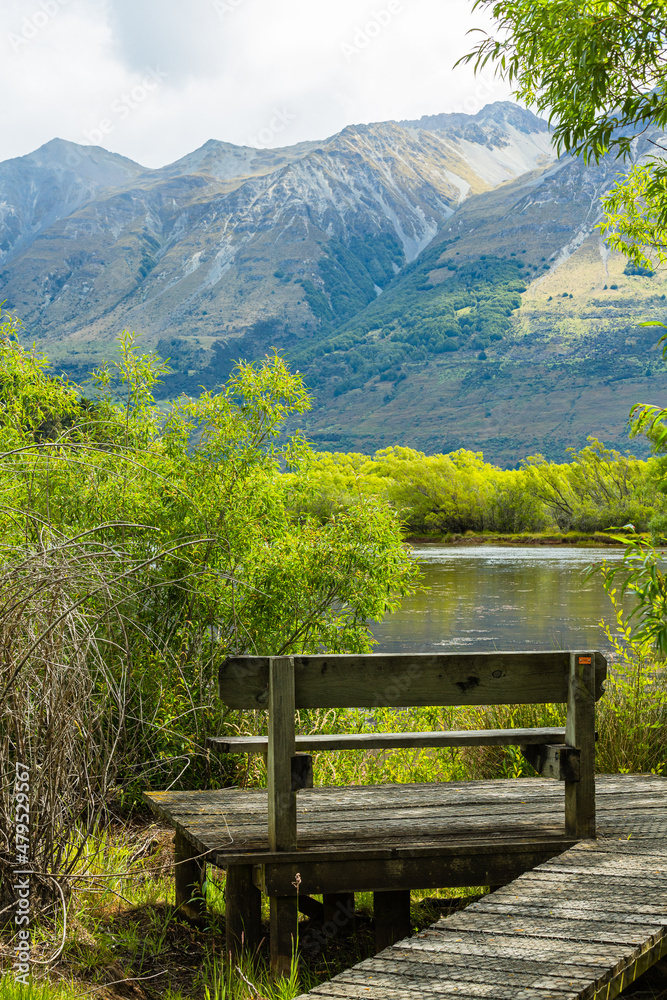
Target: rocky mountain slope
570	361
46	186
230	240
440	281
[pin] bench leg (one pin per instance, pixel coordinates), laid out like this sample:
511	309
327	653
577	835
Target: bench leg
283	927
580	732
339	911
243	910
391	910
190	874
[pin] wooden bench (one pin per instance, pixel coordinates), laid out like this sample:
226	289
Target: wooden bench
385	839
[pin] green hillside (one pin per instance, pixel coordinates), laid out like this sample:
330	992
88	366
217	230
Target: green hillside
528	347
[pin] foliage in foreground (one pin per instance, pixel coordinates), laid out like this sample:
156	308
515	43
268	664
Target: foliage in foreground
137	551
598	70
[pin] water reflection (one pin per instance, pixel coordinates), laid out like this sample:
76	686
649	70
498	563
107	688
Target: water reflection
497	597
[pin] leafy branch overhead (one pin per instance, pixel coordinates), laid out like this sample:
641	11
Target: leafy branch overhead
598	70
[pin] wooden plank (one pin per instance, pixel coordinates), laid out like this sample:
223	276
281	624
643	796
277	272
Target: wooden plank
426	823
189	873
539	977
283	923
566	930
376	810
420	872
391	915
382	973
346	838
281	798
616	967
589	895
243	911
542	881
551	761
374	813
376	822
539	793
490	794
612	986
645	849
282	833
236	818
474	793
402	679
580	733
313	845
347	987
619	800
339	911
607	864
444	963
395	741
592	912
443	943
445	848
452	964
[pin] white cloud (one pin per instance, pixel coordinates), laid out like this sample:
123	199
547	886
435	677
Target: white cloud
225	69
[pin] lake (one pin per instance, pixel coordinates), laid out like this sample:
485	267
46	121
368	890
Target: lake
500	597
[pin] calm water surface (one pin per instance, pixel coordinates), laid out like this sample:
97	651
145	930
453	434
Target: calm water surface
497	597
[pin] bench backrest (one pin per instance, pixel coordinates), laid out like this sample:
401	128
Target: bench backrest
284	684
403	680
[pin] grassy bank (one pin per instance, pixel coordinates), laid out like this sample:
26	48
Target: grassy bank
577	539
125	940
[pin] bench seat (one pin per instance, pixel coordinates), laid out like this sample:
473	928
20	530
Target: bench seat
395	741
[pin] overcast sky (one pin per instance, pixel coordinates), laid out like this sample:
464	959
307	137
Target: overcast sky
154	79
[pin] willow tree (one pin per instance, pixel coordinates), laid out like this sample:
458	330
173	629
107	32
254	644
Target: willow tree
597	69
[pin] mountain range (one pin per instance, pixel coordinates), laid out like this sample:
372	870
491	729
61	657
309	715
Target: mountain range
439	282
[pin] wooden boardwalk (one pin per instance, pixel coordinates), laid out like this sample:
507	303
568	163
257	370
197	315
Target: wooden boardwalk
582	925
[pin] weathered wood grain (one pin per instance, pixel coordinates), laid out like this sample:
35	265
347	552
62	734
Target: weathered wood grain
551	761
283	922
243	911
395	741
403	679
391	913
592	912
443	944
281	798
189	876
369	872
446	961
582	925
233	820
612	932
543	978
580	733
